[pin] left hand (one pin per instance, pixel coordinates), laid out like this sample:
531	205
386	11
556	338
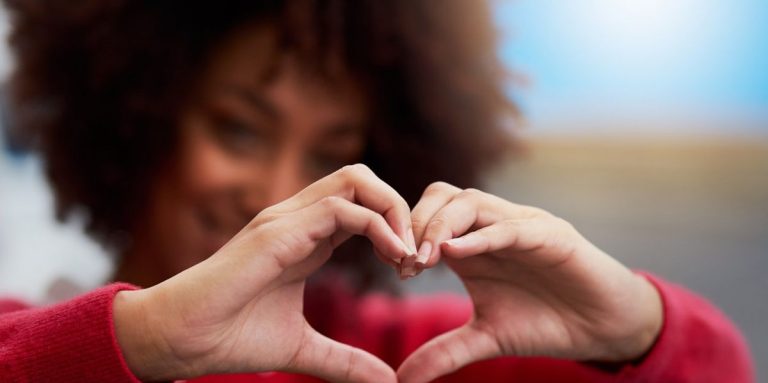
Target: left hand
538	287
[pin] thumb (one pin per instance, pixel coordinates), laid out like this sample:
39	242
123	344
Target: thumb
337	362
448	353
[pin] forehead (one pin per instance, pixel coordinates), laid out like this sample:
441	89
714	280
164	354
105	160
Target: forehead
251	59
247	56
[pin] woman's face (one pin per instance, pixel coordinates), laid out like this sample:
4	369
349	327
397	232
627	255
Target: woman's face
247	143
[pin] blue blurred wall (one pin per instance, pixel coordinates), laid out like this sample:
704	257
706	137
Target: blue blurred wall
699	61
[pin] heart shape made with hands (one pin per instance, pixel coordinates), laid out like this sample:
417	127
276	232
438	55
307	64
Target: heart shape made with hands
538	288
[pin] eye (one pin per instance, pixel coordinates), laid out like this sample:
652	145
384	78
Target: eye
238	136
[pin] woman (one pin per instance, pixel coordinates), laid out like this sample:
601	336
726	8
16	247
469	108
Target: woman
203	142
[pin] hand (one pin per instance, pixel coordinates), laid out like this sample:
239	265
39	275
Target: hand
241	309
538	287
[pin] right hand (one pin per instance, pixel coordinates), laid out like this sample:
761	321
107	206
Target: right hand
241	309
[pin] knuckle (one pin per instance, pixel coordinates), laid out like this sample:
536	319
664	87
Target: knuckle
330	202
377	219
562	223
539	212
265	216
355	170
350	369
509	224
346	173
418	224
470	194
557	233
470	197
438	187
375	222
350	175
434	226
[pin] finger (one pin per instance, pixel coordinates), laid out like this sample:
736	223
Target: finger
522	235
336	362
448	353
435	196
357	183
293	238
332	215
450	221
470	209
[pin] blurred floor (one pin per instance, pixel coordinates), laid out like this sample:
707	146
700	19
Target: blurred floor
693	212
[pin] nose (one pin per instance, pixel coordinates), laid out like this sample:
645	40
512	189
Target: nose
279	179
286	180
285	177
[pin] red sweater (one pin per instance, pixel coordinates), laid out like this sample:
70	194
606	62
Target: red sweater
75	341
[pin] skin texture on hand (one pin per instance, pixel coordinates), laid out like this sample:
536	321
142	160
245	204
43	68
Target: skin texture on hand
538	287
241	310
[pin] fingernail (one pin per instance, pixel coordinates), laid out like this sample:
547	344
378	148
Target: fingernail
408	272
410	240
407	268
456	241
408	251
424	251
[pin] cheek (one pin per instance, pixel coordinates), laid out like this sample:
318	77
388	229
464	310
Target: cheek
205	183
207	169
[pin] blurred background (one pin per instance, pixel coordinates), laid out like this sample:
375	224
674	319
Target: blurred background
647	128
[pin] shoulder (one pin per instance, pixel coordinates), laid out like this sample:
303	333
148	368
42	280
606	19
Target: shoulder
10	305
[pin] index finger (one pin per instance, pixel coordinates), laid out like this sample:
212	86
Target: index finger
357	183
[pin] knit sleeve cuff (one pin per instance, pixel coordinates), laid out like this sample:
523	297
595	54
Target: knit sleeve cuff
664	350
72	341
696	341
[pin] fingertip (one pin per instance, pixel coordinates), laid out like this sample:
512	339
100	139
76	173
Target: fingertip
450	247
459	247
408	268
399	249
408	251
434	257
410	240
424	253
455	242
416	369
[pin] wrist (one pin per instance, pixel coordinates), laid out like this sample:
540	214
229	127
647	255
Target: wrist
654	308
137	338
642	336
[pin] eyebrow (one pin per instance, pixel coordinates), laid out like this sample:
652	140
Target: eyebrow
255	100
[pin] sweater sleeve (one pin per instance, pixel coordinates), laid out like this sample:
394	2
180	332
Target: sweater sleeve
697	343
72	341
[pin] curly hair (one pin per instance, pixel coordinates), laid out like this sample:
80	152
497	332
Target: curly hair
98	86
